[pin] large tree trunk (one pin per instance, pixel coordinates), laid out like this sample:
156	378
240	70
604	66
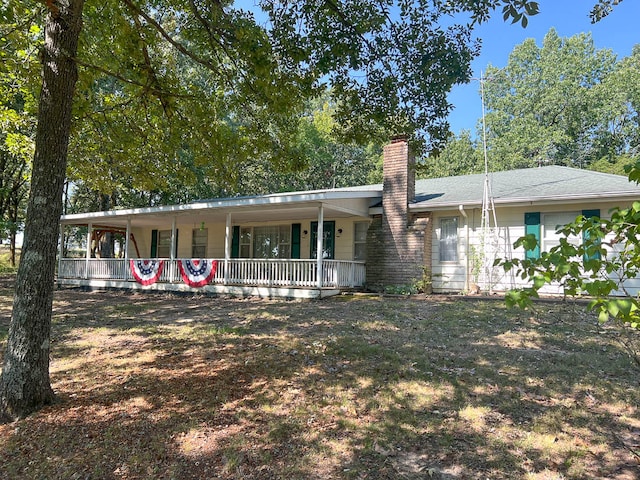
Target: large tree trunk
25	385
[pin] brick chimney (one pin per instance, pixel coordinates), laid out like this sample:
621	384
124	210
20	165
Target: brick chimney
397	241
399	184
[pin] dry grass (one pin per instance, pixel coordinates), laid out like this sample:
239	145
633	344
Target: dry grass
167	387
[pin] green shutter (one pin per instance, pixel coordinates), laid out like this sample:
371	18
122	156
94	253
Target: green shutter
585	235
154	243
295	240
532	227
235	242
175	253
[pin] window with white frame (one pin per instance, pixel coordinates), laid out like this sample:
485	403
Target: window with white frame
199	243
164	244
449	239
360	240
245	242
551	223
271	241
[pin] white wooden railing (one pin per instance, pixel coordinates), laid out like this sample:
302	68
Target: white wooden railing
240	271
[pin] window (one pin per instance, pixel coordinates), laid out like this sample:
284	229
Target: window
360	240
555	221
449	239
274	241
199	243
551	223
271	242
164	243
264	242
245	242
161	243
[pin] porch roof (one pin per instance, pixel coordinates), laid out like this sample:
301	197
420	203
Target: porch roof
337	203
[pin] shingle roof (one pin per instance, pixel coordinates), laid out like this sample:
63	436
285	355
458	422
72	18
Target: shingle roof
523	185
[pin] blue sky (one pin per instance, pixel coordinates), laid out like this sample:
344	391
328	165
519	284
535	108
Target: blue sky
618	32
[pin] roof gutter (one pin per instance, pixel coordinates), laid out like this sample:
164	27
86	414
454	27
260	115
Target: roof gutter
525	202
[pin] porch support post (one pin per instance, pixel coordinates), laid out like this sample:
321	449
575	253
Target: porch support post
126	241
320	243
88	253
126	250
172	253
61	250
227	248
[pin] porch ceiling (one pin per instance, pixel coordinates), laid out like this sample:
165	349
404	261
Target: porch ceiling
198	213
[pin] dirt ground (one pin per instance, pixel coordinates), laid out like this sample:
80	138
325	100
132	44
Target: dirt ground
353	387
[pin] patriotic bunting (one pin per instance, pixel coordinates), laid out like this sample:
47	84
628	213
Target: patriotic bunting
197	273
146	272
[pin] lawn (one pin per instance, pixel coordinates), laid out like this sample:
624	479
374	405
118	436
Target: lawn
153	386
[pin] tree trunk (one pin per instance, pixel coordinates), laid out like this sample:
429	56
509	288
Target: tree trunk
25	384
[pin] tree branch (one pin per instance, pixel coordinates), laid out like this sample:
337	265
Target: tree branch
177	45
117	76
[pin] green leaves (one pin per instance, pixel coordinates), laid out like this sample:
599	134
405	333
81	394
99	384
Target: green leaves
529	242
602	9
520	298
390	64
513	11
559	103
20	39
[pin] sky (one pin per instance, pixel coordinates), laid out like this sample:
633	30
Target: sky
618	32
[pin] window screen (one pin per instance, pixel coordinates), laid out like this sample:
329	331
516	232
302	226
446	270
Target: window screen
449	239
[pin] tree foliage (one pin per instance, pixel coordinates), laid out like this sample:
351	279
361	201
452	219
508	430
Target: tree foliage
552	104
564	102
602	9
325	159
320	159
461	156
206	93
19	43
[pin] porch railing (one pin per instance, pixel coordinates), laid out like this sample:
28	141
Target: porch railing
239	271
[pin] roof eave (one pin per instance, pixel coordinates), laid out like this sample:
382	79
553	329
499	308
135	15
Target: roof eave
527	201
240	202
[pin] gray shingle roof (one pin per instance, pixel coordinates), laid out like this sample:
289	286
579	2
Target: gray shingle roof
524	185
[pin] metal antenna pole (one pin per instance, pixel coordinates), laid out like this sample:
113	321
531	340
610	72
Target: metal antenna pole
488	208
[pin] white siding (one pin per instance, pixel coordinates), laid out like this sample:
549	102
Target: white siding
451	276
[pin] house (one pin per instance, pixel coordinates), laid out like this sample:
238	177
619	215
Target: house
317	243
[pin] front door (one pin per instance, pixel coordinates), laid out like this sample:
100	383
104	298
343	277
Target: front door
328	239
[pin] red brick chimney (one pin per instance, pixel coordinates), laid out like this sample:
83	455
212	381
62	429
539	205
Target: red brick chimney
399	184
396	241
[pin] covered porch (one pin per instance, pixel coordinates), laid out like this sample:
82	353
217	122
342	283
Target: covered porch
244	277
296	245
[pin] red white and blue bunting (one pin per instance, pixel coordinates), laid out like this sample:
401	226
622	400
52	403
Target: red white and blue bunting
146	272
197	273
